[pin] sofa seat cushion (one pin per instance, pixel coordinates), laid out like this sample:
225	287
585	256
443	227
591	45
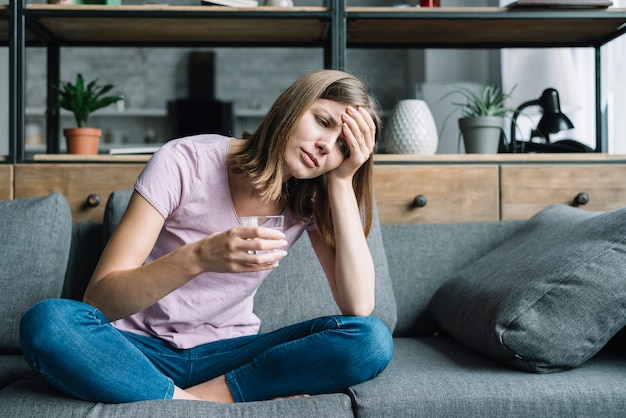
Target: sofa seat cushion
438	377
13	367
548	298
37	398
34	250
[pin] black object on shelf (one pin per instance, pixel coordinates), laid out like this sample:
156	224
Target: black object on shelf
552	121
191	117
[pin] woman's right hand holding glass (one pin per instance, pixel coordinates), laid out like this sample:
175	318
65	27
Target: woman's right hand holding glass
242	249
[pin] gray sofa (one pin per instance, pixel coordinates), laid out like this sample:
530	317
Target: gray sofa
43	254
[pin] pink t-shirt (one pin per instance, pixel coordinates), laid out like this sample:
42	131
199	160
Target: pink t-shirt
187	182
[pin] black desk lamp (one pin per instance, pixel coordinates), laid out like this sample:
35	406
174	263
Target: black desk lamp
552	121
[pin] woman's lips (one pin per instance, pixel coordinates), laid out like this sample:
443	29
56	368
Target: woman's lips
310	160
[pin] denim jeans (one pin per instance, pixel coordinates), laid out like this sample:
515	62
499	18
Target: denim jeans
75	348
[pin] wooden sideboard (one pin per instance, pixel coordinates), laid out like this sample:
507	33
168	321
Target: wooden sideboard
436	193
6	182
408	188
525	189
472	187
86	186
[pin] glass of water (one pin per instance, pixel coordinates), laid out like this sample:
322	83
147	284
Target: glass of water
273	222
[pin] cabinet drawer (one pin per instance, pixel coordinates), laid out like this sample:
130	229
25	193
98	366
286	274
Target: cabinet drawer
528	189
77	182
6	182
453	193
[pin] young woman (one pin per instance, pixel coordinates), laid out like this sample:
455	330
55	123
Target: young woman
168	311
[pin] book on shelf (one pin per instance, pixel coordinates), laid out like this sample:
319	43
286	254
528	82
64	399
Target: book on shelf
134	150
232	3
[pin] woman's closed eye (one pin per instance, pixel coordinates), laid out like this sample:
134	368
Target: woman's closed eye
322	121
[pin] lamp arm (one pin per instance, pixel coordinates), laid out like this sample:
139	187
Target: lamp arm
514	120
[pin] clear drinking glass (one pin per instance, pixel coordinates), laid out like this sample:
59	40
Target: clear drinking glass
273	222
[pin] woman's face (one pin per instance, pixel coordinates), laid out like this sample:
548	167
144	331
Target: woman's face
316	145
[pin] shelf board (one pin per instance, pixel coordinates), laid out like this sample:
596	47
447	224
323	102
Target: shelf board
482	27
103	158
163	25
106	112
386	159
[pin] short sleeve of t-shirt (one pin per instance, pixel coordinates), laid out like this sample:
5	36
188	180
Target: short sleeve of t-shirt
170	174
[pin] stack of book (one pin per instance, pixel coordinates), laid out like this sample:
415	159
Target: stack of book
232	3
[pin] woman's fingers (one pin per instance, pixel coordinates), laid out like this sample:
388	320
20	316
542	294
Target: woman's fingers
360	130
243	249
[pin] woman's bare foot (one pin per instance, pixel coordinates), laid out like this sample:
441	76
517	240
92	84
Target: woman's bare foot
181	394
214	390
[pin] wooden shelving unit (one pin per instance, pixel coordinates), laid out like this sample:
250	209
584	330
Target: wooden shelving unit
334	27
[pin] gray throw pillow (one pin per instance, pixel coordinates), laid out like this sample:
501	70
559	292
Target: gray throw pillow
34	249
548	298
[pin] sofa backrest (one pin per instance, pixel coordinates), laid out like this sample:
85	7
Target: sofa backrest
422	256
34	249
412	261
297	290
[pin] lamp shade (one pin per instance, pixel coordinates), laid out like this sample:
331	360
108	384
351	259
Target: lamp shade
553	120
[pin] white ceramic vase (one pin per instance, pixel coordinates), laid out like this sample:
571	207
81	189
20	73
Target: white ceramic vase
411	129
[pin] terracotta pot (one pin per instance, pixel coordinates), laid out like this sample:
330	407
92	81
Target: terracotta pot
82	140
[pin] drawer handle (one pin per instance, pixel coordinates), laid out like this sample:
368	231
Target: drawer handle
420	201
93	200
581	199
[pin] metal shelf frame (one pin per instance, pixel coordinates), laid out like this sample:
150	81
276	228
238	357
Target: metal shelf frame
333	27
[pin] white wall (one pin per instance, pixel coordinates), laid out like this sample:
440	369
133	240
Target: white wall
615	85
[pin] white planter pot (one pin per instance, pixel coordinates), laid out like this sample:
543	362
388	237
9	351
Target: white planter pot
411	129
481	135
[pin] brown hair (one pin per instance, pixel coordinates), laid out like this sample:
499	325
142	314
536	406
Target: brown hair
262	155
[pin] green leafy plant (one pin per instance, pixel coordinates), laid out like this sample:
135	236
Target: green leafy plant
82	100
490	102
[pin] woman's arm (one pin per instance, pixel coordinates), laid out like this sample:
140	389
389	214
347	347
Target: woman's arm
350	268
122	286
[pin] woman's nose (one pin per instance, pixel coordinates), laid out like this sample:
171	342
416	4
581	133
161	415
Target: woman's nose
324	144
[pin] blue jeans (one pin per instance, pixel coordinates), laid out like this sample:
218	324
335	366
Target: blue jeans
75	348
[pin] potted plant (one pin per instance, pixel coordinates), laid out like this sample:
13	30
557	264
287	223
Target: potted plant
482	118
82	100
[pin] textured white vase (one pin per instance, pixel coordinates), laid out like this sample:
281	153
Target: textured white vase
411	129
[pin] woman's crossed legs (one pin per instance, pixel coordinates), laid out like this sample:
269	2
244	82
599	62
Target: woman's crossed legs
73	345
